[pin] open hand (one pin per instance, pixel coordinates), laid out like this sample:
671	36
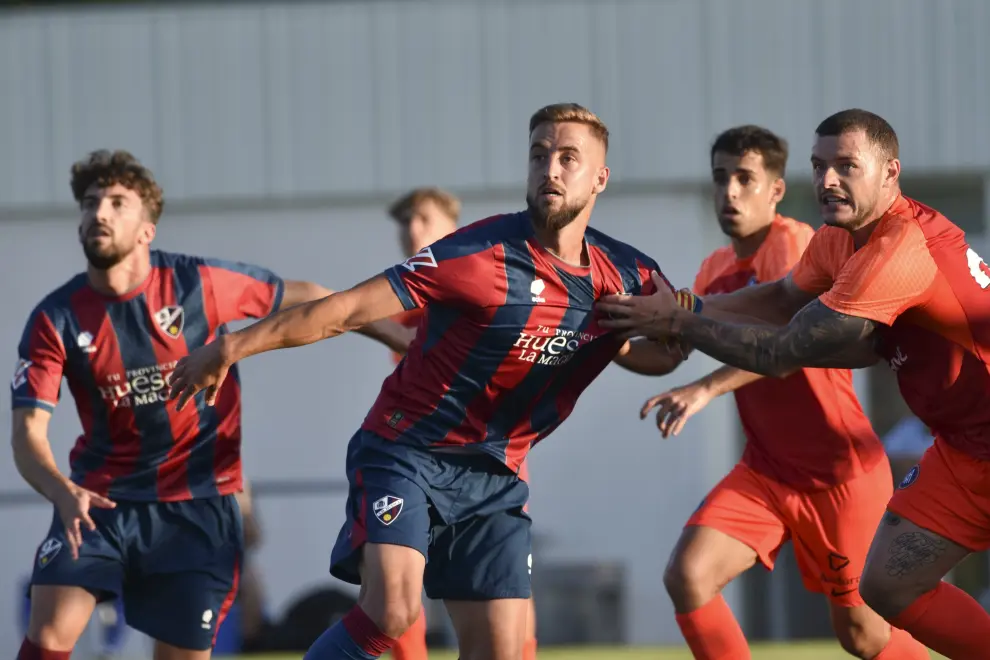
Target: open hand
675	407
203	369
73	506
640	316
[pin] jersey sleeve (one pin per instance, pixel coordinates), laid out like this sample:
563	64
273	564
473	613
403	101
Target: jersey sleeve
458	270
242	291
813	272
884	278
41	361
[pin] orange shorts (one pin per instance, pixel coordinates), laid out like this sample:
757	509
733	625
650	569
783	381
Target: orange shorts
831	529
948	493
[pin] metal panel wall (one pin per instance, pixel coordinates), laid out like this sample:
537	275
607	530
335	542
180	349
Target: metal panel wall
352	98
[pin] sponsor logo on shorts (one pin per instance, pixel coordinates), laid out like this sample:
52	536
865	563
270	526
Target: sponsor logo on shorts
387	509
207	621
836	561
48	551
910	477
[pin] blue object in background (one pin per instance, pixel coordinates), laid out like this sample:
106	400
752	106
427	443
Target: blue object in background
228	640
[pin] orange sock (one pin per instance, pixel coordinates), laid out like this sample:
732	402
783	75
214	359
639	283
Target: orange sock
903	647
947	620
412	644
529	651
712	632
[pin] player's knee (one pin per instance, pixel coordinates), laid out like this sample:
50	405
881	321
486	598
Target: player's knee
52	637
862	639
397	616
689	578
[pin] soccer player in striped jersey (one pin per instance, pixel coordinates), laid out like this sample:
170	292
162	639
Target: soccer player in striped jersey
147	513
508	343
424	216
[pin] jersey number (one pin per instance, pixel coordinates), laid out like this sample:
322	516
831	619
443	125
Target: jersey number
978	268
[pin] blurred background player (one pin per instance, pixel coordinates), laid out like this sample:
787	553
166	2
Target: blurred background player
424	216
509	342
813	471
892	276
147	514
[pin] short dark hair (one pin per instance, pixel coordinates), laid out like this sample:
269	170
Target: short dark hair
107	168
446	201
743	139
880	133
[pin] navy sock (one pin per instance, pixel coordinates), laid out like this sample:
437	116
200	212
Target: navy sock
355	637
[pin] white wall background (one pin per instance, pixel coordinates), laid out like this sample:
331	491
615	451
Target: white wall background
279	130
352	97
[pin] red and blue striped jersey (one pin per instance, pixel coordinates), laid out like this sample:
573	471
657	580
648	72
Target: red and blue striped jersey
509	339
116	353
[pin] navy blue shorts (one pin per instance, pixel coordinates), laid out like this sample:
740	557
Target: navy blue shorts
175	564
463	512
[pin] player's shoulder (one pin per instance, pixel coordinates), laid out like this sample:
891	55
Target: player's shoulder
620	253
58	304
719	258
178	261
493	229
790	229
910	219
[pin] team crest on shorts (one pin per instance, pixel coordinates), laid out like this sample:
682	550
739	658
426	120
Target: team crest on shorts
387	509
171	320
910	477
47	552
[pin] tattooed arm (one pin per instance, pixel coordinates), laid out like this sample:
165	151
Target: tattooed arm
773	302
816	337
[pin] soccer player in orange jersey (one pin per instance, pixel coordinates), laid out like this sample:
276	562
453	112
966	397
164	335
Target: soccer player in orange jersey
813	471
424	216
892	276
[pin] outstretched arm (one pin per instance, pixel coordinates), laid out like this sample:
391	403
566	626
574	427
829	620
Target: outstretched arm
394	335
310	322
306	323
775	303
816	337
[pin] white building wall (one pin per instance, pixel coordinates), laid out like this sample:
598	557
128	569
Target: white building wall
345	98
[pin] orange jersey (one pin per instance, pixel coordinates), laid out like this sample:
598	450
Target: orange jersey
919	279
807	430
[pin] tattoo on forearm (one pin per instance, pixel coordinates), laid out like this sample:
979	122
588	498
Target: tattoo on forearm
816	337
913	550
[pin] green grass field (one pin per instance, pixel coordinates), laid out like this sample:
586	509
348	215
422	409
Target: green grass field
792	651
